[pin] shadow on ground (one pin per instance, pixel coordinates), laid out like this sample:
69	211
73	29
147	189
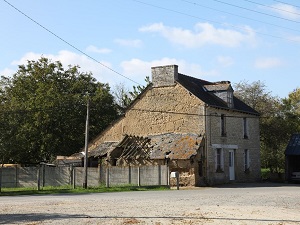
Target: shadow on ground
34	217
257	185
38	217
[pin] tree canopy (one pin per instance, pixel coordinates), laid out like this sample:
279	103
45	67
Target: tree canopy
43	111
279	119
124	97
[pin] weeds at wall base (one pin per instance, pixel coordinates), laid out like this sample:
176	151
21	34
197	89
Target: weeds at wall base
78	190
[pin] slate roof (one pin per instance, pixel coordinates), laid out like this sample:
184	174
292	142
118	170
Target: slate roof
103	149
293	147
197	87
162	146
174	146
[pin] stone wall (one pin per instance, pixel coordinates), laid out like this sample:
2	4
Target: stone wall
173	109
159	110
167	107
234	140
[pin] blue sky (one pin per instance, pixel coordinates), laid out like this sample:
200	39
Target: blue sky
213	40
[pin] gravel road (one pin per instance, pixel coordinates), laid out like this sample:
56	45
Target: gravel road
229	204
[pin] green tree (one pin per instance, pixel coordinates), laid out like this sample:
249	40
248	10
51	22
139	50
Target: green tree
291	111
284	124
121	94
44	106
138	89
294	98
274	129
255	95
7	132
124	97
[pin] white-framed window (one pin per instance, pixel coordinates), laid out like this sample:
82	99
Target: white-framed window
219	160
223	125
245	128
246	160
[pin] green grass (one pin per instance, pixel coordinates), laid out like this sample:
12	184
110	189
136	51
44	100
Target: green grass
78	190
265	173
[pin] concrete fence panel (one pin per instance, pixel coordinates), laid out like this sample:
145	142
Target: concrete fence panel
118	175
93	176
61	176
56	176
153	175
27	176
9	177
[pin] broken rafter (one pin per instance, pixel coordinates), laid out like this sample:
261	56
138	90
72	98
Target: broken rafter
132	146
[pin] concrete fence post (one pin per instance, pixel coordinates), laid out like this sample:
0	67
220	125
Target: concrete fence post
129	174
70	174
107	177
17	176
74	177
99	174
38	178
43	175
159	175
139	176
1	168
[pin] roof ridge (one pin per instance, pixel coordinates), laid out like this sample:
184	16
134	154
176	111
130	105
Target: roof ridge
196	86
195	78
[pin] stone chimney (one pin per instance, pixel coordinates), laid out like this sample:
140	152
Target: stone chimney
164	75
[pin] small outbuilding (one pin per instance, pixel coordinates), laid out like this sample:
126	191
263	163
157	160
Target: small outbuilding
292	159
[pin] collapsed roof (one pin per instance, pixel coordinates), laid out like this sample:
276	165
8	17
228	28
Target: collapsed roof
163	146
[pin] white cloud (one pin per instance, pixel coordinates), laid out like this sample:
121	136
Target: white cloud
203	33
286	11
129	43
135	69
294	38
26	57
99	71
7	72
225	61
93	48
267	63
138	69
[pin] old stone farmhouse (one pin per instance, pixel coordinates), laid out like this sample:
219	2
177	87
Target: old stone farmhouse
196	127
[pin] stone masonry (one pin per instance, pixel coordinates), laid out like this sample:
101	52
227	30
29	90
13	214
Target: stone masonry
169	107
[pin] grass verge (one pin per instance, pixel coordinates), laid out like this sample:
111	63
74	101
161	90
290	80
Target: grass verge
78	190
265	173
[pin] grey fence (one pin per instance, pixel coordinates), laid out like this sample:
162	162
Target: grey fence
59	176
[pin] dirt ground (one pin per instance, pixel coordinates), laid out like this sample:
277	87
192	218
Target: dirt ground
264	203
